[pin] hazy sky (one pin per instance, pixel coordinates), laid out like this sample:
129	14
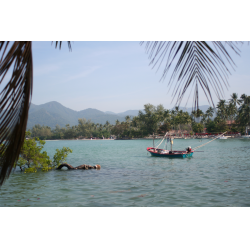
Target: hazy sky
112	76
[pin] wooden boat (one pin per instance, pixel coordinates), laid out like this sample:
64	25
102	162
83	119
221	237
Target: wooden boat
155	151
170	154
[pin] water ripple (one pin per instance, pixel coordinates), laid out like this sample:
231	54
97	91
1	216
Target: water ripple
129	177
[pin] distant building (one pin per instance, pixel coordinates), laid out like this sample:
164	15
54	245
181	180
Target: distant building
230	122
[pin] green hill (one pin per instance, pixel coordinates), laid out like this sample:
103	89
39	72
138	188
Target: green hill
53	113
47	118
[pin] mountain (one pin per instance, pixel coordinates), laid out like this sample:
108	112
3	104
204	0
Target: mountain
53	113
47	118
110	113
129	112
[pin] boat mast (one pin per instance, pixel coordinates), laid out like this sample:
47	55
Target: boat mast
153	140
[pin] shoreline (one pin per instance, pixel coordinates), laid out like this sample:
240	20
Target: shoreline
159	138
81	140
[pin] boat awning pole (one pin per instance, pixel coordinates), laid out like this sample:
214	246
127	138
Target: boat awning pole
162	140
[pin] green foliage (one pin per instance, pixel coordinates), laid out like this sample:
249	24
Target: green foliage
46	168
165	127
211	127
31	153
42	132
60	156
243	116
197	127
32	157
151	117
216	126
30	170
120	130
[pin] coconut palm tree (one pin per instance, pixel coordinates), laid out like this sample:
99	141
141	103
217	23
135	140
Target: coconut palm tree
204	119
234	99
173	118
100	127
107	125
243	117
167	114
176	109
193	115
128	119
199	114
210	112
221	110
186	118
117	122
231	111
198	63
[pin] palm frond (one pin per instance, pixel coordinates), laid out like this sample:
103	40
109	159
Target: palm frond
197	64
60	45
14	102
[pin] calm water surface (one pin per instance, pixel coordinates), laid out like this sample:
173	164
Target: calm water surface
129	176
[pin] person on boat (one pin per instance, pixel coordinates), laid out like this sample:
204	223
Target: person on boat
189	149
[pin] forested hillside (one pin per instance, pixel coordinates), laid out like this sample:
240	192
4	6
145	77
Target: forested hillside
53	113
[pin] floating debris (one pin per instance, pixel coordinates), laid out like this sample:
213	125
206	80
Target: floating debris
84	166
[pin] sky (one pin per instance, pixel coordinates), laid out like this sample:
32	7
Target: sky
113	76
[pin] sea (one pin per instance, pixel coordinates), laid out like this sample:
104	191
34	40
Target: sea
216	176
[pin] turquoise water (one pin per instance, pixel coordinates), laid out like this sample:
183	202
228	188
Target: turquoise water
129	176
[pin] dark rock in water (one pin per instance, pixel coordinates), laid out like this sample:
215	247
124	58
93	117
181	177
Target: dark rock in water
84	166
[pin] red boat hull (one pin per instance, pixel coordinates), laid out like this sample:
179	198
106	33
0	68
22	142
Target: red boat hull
170	154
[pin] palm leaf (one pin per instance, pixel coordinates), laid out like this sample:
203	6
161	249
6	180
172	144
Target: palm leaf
14	102
197	64
60	45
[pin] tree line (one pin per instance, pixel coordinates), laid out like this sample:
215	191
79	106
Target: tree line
231	116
